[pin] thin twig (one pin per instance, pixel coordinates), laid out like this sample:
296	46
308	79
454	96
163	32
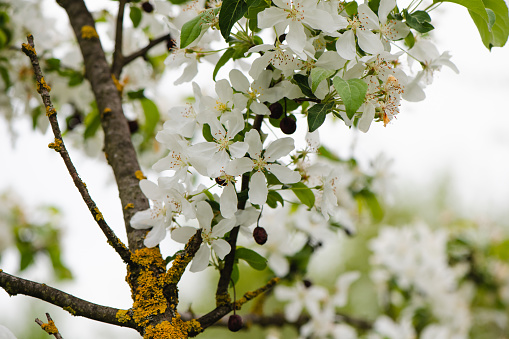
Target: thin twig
49	327
59	146
116	67
78	307
145	49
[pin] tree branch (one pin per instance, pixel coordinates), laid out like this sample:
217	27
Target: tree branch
49	327
118	147
145	49
116	67
59	146
76	306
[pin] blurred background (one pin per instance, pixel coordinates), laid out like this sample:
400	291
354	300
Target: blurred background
447	164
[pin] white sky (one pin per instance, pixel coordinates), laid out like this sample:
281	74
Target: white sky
462	128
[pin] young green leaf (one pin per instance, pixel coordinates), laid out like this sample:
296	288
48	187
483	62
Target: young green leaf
304	194
273	198
352	92
231	12
493	33
317	114
191	30
151	116
319	74
227	55
254	260
418	20
135	15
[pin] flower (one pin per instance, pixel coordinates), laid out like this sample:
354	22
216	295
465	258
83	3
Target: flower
166	204
300	296
258	184
211	236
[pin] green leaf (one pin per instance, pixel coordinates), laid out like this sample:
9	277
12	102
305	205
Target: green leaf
254	260
135	15
36	113
231	12
178	2
4	73
324	152
302	82
317	114
410	40
151	116
493	34
304	194
222	61
351	8
373	204
92	123
207	133
473	6
419	20
319	74
352	92
273	198
192	29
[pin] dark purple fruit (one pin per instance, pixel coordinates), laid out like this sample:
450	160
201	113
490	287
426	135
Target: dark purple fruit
133	126
260	235
147	7
307	283
235	322
276	110
288	125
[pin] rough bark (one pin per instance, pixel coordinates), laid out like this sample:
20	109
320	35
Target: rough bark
118	147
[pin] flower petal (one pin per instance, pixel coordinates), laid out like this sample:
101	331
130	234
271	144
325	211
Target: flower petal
221	247
239	81
183	234
228	201
155	236
284	174
345	45
279	148
201	259
258	189
204	215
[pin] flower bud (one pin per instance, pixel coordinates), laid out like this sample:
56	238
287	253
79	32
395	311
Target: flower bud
147	7
260	235
276	110
235	322
288	125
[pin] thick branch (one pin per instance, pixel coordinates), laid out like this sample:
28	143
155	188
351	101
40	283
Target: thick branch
116	67
145	49
59	146
76	306
117	138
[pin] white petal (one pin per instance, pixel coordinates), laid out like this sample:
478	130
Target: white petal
228	201
204	215
142	219
259	108
278	264
183	234
368	17
258	189
255	144
239	166
386	6
367	117
221	247
270	16
259	64
223	227
279	148
201	259
238	149
370	42
155	236
296	38
284	174
345	45
224	90
239	81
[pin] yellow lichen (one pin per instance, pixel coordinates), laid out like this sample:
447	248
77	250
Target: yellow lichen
177	329
123	316
88	32
118	85
50	111
129	205
148	296
43	85
253	294
107	110
98	214
50	327
223	299
139	175
194	326
57	145
70	310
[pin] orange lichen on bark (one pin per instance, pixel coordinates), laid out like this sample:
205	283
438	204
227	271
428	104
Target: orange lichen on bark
139	175
129	206
50	327
50	111
88	32
176	329
57	145
98	214
120	86
123	316
148	296
43	85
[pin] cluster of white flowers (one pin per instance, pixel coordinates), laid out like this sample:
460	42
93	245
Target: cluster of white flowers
416	258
